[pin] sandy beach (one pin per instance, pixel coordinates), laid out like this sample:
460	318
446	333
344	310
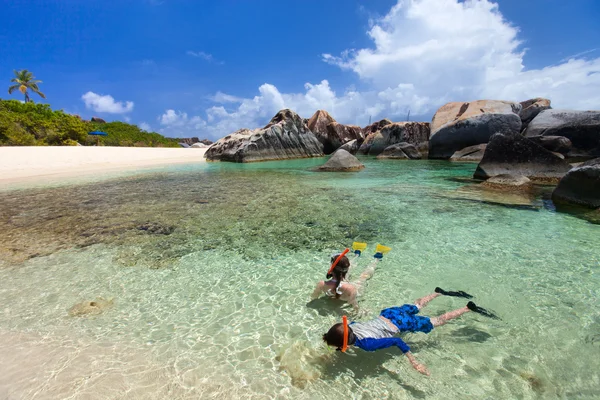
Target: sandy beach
32	163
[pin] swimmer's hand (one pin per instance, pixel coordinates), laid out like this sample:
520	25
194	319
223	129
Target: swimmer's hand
416	365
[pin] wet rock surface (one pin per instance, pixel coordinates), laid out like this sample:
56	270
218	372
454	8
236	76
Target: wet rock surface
342	161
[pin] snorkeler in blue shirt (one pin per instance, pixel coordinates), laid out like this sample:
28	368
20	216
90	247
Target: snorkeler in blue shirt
380	332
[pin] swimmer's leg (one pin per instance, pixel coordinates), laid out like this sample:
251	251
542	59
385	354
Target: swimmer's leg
366	274
442	319
422	302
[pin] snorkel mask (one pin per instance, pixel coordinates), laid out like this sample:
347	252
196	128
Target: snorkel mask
337	260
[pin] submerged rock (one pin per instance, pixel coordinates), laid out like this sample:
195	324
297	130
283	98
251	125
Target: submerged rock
286	136
93	307
582	128
401	151
580	186
156	228
508	182
459	125
514	154
342	161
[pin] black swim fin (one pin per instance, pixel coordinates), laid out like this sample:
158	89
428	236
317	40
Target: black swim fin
480	310
459	293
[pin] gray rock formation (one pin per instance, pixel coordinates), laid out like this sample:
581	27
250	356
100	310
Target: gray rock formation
531	108
98	120
582	128
555	144
580	186
351	146
516	155
285	137
401	151
508	182
459	125
375	126
471	153
332	134
341	161
415	133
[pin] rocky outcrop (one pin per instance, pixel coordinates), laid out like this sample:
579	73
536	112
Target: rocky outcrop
582	128
508	182
555	144
401	151
531	108
332	134
342	161
580	186
351	146
286	136
471	153
459	125
98	120
199	146
516	155
375	126
415	133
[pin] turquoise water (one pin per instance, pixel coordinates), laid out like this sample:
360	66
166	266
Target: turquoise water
207	269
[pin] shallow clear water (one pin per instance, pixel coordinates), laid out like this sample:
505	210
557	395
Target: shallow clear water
207	270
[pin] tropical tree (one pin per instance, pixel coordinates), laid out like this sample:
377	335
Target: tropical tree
25	81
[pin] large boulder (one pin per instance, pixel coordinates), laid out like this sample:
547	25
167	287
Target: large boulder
531	108
286	136
459	125
375	126
98	120
516	155
331	133
401	151
341	161
471	153
582	128
555	144
351	146
415	133
580	186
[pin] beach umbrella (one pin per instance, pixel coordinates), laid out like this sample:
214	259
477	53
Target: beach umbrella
98	133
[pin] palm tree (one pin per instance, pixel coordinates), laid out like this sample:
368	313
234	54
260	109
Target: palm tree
25	80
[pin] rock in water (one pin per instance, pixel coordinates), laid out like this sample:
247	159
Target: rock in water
531	108
330	133
582	128
471	153
351	146
516	155
580	186
286	136
342	161
415	133
508	182
459	125
401	151
94	307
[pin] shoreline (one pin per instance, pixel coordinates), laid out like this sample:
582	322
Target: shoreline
30	163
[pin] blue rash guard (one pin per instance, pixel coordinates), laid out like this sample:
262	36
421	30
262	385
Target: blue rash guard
378	334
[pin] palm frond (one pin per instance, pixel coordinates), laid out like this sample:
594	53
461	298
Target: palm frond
12	88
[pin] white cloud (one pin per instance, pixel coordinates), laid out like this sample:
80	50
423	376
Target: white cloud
145	126
425	53
106	104
178	124
205	56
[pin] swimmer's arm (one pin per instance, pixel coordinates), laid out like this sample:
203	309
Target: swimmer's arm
318	290
416	365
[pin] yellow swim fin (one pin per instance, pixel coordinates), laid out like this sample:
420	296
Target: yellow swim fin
381	250
358	247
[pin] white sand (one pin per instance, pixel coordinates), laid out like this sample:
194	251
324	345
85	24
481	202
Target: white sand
31	163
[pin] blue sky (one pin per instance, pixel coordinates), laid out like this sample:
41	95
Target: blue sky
206	68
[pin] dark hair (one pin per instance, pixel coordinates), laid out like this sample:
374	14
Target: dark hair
335	336
339	272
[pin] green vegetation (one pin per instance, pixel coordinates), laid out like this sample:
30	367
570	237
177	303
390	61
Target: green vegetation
24	81
29	124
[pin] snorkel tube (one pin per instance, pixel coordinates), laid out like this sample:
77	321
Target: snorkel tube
337	260
345	341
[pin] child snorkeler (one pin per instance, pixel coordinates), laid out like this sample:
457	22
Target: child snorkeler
337	287
380	332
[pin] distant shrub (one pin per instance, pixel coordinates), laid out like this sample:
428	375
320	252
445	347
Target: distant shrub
31	124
